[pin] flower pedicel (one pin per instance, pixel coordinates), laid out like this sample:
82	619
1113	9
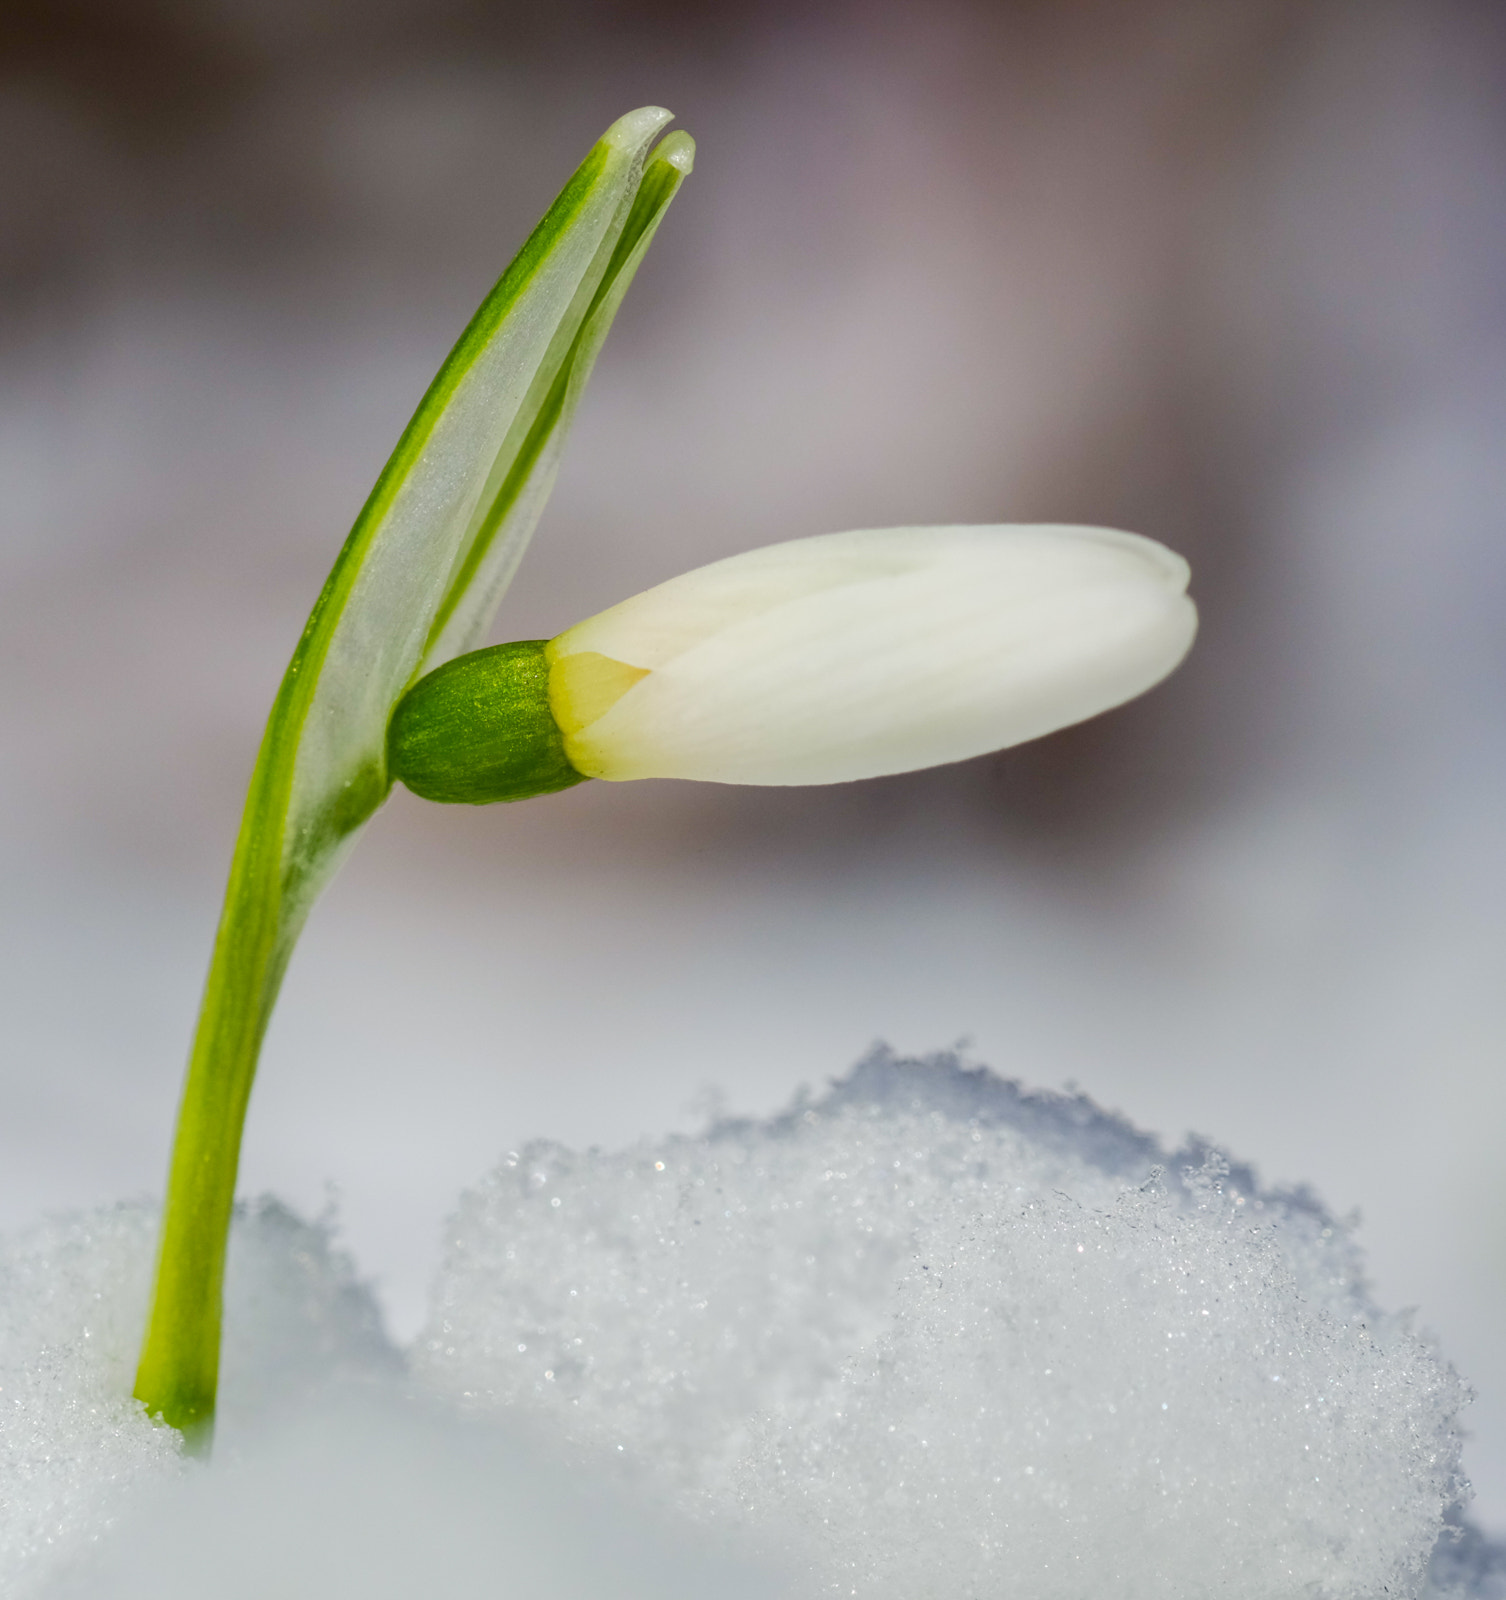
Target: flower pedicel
818	661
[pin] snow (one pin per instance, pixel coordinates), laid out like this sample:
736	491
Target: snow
959	1340
927	1335
76	1452
370	1489
372	1493
73	1448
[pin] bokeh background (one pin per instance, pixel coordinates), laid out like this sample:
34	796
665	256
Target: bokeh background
1227	272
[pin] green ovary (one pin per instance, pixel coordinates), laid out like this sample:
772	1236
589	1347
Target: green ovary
479	729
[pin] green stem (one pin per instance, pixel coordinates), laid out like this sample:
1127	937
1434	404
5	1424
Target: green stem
262	917
416	580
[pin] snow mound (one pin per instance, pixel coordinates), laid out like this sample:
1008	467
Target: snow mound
76	1452
328	1477
953	1339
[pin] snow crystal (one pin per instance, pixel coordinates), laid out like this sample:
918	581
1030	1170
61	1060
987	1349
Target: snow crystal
76	1452
952	1339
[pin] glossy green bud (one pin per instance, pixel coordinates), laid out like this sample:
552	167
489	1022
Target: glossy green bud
479	729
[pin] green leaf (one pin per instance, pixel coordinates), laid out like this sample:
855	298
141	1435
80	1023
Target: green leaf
417	582
527	465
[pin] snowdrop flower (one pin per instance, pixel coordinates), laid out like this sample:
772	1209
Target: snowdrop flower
817	661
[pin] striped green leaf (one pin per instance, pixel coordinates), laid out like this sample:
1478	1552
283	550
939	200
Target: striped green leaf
417	582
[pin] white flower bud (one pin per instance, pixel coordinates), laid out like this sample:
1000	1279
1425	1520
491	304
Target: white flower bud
857	654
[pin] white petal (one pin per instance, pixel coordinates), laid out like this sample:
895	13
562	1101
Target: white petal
663	622
881	651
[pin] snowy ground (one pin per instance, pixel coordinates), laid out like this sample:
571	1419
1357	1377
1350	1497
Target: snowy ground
926	1336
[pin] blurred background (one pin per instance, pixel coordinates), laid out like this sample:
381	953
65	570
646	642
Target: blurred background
1226	272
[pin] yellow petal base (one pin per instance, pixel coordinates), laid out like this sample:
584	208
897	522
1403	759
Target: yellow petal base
583	687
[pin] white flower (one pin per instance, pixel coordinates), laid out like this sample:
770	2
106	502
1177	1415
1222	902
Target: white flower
817	661
857	654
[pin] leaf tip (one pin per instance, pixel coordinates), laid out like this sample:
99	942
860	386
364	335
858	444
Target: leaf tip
678	150
632	132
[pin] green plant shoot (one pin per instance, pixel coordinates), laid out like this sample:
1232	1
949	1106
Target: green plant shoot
416	583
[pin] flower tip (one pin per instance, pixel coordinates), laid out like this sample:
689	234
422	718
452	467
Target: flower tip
1174	569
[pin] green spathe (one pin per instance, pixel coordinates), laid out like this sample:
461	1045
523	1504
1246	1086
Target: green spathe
415	584
479	729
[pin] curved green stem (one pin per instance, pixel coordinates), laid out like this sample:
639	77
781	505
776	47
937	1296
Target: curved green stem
414	585
179	1370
